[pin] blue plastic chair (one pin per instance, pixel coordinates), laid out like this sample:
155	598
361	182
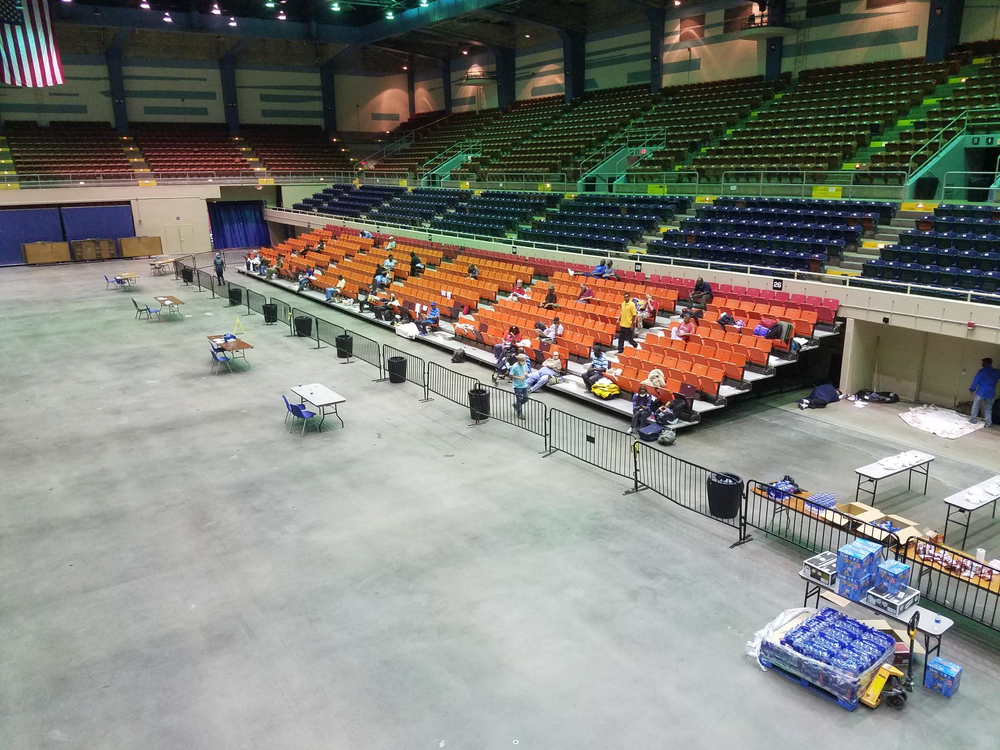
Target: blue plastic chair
218	357
151	311
111	283
298	412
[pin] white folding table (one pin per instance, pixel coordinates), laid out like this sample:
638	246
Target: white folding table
871	474
322	398
961	503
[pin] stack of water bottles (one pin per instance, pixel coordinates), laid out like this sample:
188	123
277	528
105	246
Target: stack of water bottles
833	652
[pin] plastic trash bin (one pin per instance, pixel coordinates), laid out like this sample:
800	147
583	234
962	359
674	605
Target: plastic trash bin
188	275
725	495
345	346
396	367
270	313
479	403
303	326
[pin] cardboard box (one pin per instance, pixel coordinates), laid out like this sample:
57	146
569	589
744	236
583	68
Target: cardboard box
892	576
893	603
45	252
859	511
858	560
854	589
943	677
902	654
822	567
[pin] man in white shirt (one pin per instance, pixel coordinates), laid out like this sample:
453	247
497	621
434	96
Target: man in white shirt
554	331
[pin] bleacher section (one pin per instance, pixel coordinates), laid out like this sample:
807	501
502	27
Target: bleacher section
347	200
418	206
798	234
691	116
432	141
825	118
70	148
558	147
718	363
297	148
605	222
192	148
957	249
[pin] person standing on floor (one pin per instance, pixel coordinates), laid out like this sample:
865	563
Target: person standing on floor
984	388
519	374
626	323
220	267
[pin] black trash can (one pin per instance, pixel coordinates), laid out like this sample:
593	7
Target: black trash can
725	495
270	313
345	346
396	367
303	326
235	297
188	275
479	403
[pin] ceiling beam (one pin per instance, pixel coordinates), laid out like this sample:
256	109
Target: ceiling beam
406	52
513	18
463	38
417	18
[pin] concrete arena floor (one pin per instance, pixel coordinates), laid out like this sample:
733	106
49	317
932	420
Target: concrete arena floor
178	571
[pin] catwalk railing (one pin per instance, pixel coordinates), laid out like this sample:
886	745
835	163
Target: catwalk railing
946	577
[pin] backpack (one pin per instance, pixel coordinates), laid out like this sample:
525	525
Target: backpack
667	437
459	356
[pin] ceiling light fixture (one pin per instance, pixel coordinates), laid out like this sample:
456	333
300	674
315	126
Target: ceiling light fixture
335	7
232	21
406	67
389	15
269	4
144	5
281	15
677	2
465	51
216	10
67	1
167	18
423	3
527	36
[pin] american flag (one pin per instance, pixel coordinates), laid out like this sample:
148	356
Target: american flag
28	53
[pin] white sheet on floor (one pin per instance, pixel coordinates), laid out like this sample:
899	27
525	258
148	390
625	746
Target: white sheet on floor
941	422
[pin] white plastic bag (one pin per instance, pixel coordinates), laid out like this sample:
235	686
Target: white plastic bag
753	647
407	330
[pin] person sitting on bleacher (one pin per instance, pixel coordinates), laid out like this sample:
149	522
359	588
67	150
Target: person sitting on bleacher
550	372
598	366
599	270
321	245
415	265
366	234
552	332
336	291
586	293
701	295
432	320
609	270
648	312
304	280
519	292
389	264
550	302
391	244
380	280
473	271
685	329
509	341
642	407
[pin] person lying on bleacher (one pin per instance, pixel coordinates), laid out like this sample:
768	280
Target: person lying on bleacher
586	293
550	372
519	292
366	234
550	302
432	320
336	291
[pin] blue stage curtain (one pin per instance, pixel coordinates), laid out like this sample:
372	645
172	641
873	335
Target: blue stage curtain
238	224
18	226
98	222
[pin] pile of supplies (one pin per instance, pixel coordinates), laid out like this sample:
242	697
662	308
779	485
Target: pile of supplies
827	649
966	568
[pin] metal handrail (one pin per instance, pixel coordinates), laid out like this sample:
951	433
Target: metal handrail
938	137
469	143
626	138
850	184
549	178
194	177
449	237
409	136
945	187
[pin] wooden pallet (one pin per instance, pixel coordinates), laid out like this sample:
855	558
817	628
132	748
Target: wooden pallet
822	693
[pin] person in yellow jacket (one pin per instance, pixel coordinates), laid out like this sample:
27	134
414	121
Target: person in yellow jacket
626	323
